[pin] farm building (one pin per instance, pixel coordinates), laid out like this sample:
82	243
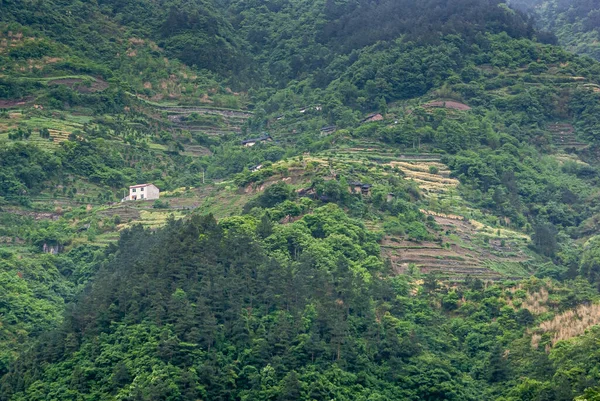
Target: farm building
143	192
254	141
359	187
328	129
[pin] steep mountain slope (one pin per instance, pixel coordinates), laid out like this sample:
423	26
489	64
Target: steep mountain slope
575	23
207	310
418	162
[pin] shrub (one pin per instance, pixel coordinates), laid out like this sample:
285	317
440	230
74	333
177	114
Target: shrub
158	204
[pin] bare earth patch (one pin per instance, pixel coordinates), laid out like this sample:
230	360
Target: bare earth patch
448	105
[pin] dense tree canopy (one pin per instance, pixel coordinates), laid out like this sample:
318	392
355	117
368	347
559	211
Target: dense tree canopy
381	128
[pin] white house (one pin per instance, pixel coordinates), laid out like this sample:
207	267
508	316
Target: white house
143	192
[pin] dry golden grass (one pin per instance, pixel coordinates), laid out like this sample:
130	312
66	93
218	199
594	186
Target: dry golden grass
535	340
569	324
136	41
428	183
423	166
442	215
536	302
431	178
504	233
415	285
562	158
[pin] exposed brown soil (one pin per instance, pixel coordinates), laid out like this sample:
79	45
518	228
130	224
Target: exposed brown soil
6	103
35	215
448	105
448	257
196	150
7	241
125	213
205	110
78	84
563	134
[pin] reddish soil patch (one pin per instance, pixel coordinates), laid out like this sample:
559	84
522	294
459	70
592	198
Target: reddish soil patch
5	103
70	82
126	213
563	134
35	215
78	84
448	104
450	258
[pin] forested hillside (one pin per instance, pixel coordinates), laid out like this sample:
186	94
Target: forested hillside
575	23
201	310
360	200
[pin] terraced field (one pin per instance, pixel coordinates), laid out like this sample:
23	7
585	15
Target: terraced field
124	211
563	135
377	153
425	169
215	121
431	177
195	150
59	128
464	248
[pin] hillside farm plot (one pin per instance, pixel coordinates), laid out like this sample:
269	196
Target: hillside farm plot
125	212
448	104
211	121
377	152
465	248
152	218
83	84
195	150
563	135
59	129
431	177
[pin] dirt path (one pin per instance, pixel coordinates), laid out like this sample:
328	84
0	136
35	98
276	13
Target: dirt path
5	103
205	110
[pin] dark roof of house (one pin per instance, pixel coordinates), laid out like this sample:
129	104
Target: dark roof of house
140	185
369	117
328	128
262	138
360	184
306	192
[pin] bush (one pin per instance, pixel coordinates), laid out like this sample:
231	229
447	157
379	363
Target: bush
158	204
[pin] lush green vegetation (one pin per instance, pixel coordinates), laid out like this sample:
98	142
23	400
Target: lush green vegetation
210	310
416	220
575	23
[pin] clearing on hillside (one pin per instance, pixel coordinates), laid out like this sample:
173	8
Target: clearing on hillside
464	248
